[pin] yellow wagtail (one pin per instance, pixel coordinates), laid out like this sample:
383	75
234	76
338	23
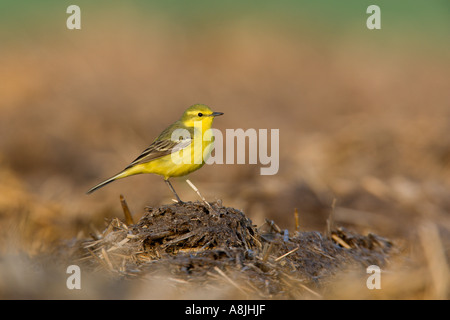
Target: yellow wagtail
180	149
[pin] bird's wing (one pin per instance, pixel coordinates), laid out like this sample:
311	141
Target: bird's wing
161	147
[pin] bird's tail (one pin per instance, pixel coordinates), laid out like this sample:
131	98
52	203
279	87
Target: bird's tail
104	183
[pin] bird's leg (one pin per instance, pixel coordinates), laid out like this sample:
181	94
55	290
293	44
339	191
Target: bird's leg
173	190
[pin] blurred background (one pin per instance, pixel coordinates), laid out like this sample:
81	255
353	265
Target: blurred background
363	115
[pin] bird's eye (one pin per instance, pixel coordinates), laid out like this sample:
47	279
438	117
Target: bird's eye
200	114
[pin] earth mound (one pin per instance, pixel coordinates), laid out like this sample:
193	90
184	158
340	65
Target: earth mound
197	243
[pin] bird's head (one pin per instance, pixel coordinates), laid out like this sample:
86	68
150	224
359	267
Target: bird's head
199	112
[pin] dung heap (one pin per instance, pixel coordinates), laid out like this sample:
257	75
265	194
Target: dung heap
193	243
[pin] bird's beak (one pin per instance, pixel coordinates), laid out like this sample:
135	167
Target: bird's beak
216	114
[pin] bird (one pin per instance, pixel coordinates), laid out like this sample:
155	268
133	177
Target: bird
181	148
